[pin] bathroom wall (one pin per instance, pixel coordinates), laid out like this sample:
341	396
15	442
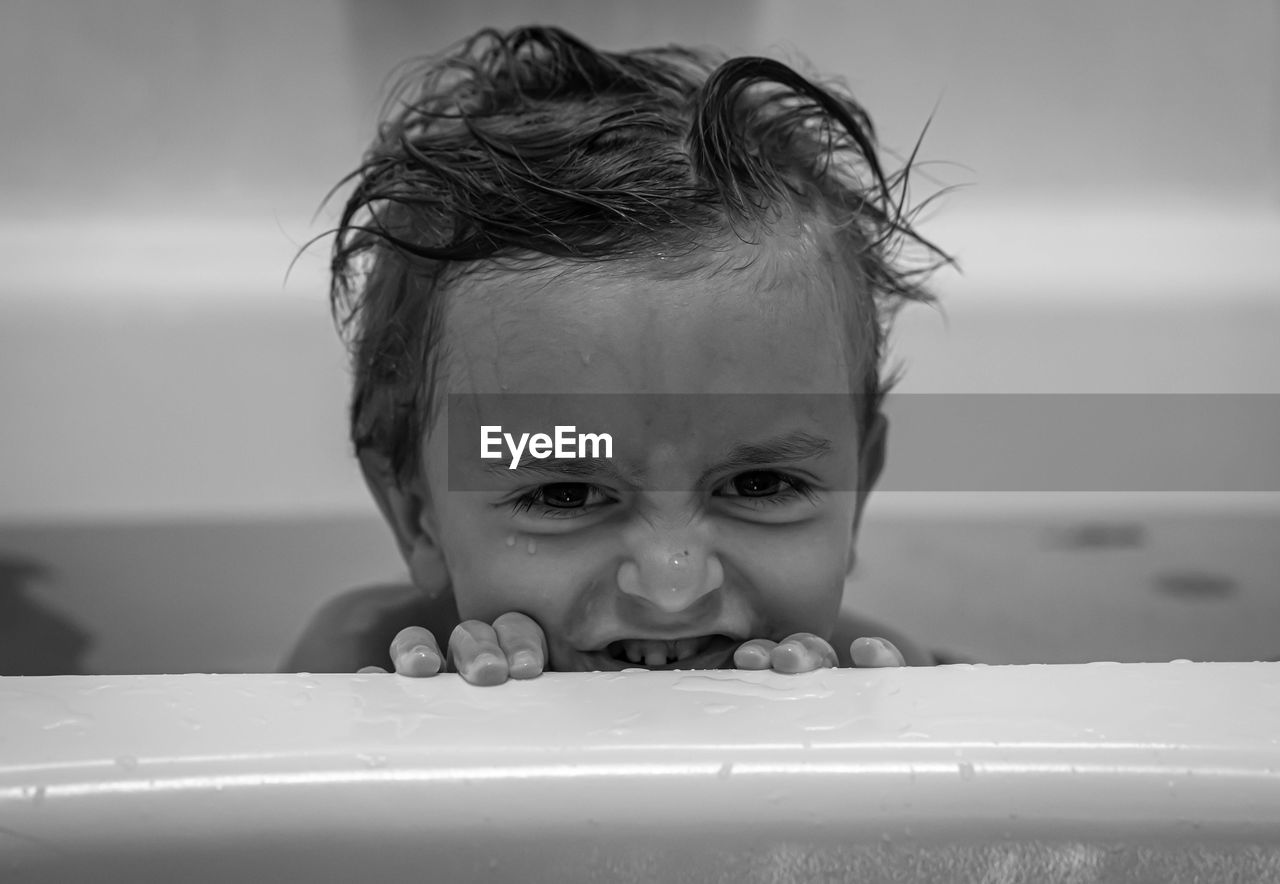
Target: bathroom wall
168	378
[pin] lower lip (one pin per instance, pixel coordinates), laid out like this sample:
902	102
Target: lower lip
717	655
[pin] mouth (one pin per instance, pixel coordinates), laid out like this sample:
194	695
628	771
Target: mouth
697	652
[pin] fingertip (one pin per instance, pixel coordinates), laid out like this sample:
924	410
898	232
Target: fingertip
751	655
420	661
485	670
791	657
875	653
525	664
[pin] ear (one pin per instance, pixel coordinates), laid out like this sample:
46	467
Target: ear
407	510
871	455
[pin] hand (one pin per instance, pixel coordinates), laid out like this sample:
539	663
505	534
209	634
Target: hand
513	647
804	652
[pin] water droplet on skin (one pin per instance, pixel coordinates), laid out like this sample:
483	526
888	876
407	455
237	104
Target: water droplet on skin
511	540
679	560
531	547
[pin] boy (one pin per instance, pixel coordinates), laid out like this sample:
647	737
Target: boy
696	256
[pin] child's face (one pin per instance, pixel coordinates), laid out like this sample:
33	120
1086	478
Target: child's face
687	550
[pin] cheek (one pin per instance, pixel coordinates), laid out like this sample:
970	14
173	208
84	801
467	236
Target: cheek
798	581
515	572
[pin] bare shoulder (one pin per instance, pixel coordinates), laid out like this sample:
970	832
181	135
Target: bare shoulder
852	625
355	628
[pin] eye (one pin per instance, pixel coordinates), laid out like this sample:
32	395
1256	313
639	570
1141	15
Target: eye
759	483
566	495
563	500
760	487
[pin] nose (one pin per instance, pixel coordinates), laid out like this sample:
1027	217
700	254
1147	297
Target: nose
671	569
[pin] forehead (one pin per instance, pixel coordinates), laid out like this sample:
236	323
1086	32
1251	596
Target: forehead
768	317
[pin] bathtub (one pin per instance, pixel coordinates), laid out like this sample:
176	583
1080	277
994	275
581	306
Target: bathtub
175	445
1098	772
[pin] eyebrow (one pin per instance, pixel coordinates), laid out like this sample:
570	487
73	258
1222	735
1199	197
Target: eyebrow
784	449
561	467
778	451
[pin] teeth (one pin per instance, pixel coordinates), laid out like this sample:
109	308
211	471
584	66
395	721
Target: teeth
652	652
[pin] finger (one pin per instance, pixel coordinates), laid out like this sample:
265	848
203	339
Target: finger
803	652
476	654
523	643
754	654
875	653
370	670
415	653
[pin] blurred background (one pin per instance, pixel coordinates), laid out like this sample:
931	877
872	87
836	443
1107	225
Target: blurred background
176	491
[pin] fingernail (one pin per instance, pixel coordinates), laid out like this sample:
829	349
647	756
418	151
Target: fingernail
867	651
487	669
420	660
524	662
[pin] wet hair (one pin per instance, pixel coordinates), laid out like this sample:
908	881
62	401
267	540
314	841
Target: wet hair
530	148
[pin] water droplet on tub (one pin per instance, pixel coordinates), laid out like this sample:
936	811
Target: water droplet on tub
725	770
511	540
70	721
531	547
586	357
372	761
966	770
127	762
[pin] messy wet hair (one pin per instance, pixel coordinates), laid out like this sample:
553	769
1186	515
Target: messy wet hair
529	148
